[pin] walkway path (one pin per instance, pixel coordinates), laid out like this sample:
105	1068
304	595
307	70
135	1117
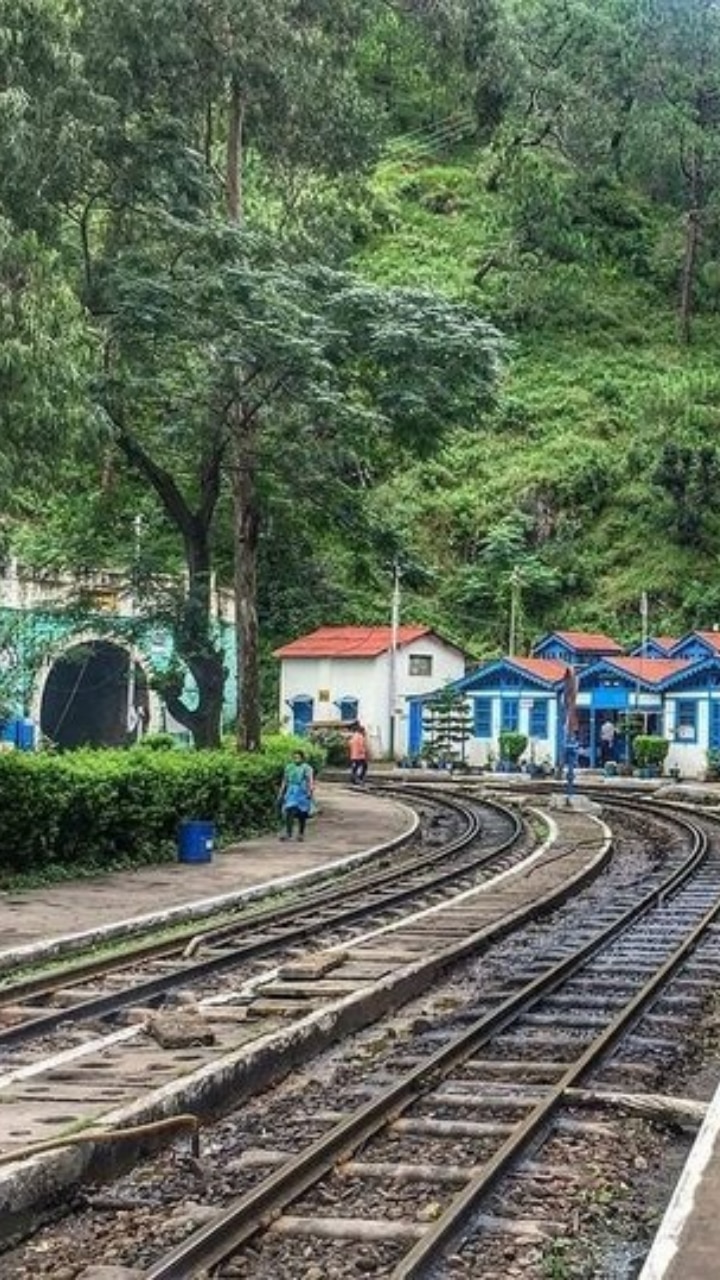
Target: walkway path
348	822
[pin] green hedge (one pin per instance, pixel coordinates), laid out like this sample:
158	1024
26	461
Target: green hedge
89	808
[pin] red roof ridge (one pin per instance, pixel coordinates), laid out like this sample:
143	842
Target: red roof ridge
354	640
588	639
553	668
651	669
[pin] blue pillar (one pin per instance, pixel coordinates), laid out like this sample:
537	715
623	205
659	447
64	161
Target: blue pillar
571	755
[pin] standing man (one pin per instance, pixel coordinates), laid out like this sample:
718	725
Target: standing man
358	754
607	740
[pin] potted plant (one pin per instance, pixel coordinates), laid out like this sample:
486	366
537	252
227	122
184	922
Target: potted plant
512	746
712	769
649	752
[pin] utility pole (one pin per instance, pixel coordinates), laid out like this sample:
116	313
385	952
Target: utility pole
133	721
392	676
515	607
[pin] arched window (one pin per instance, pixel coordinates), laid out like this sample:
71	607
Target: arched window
348	707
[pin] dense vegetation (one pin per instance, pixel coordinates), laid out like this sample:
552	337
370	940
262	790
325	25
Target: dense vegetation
87	811
261	264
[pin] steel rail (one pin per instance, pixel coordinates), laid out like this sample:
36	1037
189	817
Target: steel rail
450	1223
213	1243
150	990
94	967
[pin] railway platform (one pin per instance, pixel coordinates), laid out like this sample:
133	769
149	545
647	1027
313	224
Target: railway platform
349	823
687	1244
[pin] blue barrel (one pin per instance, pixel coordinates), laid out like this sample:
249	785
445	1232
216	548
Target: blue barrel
25	734
196	841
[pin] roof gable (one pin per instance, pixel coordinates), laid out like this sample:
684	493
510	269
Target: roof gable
503	673
709	641
353	642
645	671
580	642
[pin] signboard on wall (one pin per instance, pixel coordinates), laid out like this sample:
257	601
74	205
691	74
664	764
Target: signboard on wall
323	695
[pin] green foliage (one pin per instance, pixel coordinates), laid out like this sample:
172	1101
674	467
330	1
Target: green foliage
95	807
690	477
512	746
649	750
542	163
333	743
447	726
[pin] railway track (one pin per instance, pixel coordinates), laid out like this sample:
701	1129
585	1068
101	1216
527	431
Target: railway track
487	841
367	978
289	1013
477	1106
72	1063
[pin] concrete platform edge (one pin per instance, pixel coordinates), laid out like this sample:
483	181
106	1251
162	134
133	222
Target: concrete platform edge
665	1246
65	944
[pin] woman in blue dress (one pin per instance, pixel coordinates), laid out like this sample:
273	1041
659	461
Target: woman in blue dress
296	795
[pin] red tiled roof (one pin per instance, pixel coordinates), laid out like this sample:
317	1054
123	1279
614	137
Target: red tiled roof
546	668
349	642
589	640
651	670
665	642
710	637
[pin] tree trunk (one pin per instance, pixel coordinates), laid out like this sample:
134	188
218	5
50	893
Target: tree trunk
692	243
246	523
233	169
192	624
243	466
196	647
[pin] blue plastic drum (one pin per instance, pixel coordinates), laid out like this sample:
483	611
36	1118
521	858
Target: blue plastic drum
196	841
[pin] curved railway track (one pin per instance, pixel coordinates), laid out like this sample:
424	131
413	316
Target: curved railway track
579	1005
487	843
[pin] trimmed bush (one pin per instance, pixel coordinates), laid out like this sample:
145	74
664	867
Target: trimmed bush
512	746
649	751
93	808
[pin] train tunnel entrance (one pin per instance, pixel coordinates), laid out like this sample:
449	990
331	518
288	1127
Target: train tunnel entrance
87	700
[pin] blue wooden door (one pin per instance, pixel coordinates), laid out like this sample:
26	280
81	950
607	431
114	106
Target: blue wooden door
415	728
302	709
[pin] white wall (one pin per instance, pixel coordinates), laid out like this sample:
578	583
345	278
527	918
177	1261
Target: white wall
481	751
689	757
368	680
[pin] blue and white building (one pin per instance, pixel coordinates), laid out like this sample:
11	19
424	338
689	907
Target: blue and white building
666	687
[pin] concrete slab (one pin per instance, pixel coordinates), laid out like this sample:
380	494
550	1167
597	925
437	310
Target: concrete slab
687	1244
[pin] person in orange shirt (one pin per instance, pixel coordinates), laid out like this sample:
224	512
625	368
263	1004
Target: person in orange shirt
358	754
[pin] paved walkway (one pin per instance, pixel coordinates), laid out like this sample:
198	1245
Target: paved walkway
348	823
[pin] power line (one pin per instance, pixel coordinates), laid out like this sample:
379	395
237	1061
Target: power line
432	136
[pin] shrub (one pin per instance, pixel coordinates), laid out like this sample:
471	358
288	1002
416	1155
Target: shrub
333	743
650	751
512	746
91	808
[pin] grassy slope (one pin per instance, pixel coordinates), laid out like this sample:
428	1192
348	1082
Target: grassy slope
595	384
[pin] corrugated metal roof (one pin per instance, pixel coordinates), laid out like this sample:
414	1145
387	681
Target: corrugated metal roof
551	669
589	640
710	637
349	642
650	670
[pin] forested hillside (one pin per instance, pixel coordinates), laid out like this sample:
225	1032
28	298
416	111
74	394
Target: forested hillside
320	289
